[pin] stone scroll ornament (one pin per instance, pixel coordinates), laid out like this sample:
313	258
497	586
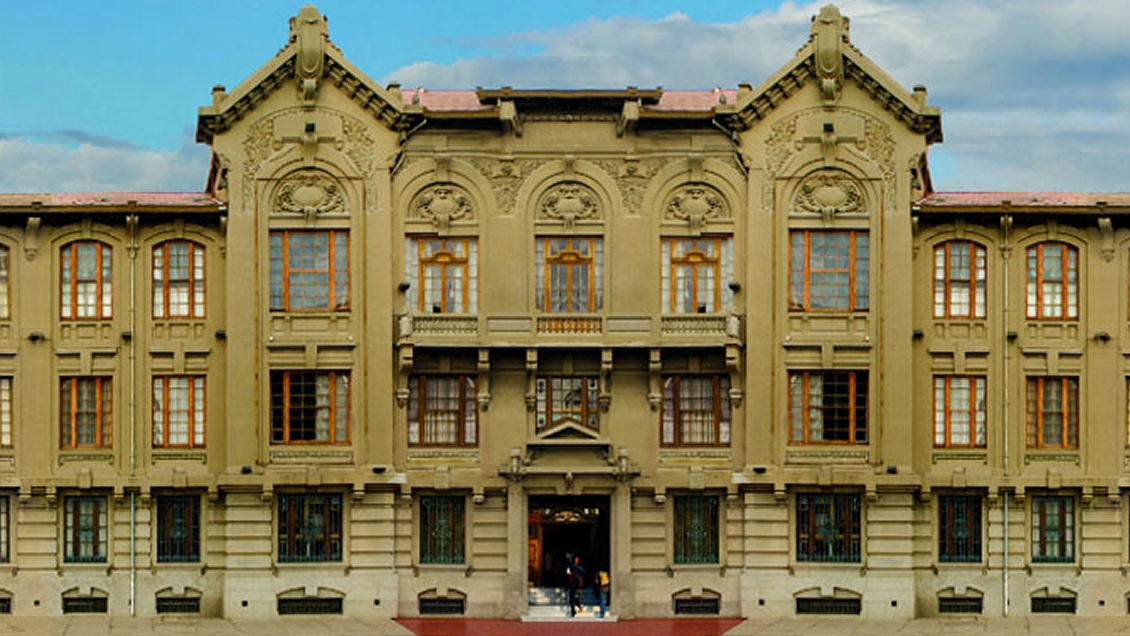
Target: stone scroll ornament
441	204
829	194
310	195
696	204
569	202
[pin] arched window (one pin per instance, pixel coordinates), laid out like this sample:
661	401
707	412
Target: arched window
1053	281
178	280
86	281
959	280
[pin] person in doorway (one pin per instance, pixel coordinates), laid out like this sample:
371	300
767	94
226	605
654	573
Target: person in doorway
575	582
602	585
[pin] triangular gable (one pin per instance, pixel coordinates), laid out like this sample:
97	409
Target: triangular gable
306	64
829	59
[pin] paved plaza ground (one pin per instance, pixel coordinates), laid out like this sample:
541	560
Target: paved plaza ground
309	626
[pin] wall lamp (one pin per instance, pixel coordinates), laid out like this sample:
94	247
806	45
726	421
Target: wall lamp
735	286
36	336
1102	337
404	286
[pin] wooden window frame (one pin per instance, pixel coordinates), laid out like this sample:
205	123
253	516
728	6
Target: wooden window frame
944	411
194	282
673	414
452	267
958	513
696	530
854	393
69	390
466	412
282	271
170	547
442	515
73	529
545	394
570	257
695	259
1065	516
69	281
161	407
283	406
294	516
7	411
1035	300
845	543
801	281
1037	413
945	281
5	283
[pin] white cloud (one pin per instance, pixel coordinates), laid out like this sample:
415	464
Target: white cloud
1033	92
53	163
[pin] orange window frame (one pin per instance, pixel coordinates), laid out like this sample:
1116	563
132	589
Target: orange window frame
805	303
569	257
1037	431
975	383
69	255
678	412
976	254
1069	264
287	377
195	250
448	262
330	271
853	424
193	408
103	429
694	259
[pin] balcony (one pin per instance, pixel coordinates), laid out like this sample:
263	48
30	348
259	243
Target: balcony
570	325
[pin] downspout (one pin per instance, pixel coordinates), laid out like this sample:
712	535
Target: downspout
132	221
1006	252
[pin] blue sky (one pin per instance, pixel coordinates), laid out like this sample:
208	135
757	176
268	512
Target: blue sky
1035	94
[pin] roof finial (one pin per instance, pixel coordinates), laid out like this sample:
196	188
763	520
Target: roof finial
310	32
829	34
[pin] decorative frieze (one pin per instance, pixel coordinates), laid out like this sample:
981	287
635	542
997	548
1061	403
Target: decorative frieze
309	194
569	202
442	204
695	204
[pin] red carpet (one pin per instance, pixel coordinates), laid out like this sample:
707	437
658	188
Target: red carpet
489	627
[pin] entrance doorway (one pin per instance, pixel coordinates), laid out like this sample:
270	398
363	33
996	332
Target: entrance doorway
560	527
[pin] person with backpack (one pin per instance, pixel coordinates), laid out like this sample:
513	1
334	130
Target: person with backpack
602	585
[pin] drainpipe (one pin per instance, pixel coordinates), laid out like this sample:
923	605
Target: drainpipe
1006	251
132	222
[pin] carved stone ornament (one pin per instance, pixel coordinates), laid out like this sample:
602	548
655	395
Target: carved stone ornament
441	204
829	194
569	202
696	203
309	194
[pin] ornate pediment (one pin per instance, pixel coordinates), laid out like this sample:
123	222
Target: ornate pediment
569	202
442	203
309	194
696	204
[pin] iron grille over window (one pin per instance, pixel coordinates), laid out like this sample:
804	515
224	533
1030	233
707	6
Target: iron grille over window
441	605
710	606
178	528
960	605
287	606
828	528
835	606
696	529
1053	605
85	605
442	529
959	529
178	605
309	527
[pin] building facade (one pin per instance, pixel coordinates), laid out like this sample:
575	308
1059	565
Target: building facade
411	349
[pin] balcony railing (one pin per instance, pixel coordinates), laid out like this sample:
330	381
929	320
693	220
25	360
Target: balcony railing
570	325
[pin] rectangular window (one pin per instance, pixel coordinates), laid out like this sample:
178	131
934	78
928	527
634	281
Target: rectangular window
828	407
310	407
959	411
959	280
178	528
442	529
6	412
5	302
569	275
696	275
696	529
1053	281
441	411
442	275
1053	529
1053	412
178	280
84	529
696	410
309	270
86	281
828	271
5	530
86	412
828	528
310	527
959	529
563	400
178	411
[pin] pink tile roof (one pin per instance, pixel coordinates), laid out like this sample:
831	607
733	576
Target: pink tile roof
1024	199
111	199
465	100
